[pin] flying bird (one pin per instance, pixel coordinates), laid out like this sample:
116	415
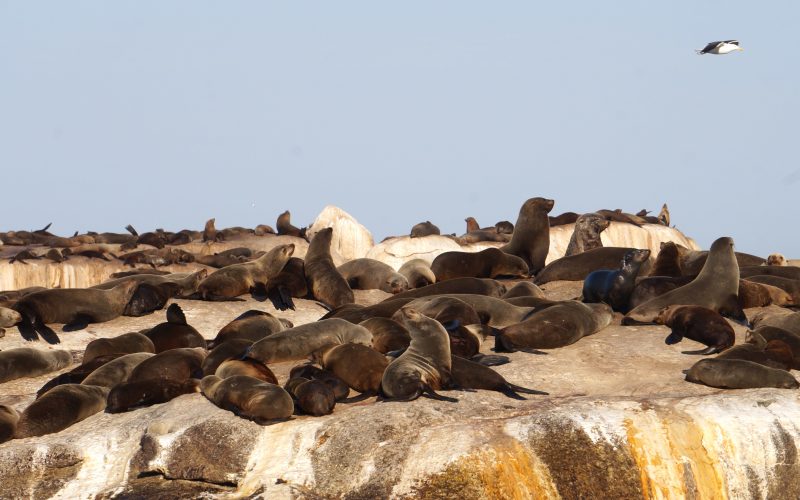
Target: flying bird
719	48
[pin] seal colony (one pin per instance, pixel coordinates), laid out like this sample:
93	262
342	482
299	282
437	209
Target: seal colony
423	340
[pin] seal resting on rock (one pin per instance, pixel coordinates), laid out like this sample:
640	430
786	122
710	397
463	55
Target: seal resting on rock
60	408
699	324
371	274
249	398
238	279
738	374
489	263
615	287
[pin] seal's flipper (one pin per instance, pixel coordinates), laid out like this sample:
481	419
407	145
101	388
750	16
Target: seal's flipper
525	390
673	338
430	393
27	331
705	352
80	322
46	333
490	359
733	310
500	343
281	298
509	391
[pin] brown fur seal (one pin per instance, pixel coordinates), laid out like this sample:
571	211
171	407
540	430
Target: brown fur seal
28	362
523	289
790	322
219	260
326	283
425	366
489	263
249	367
310	339
790	286
618	215
699	324
504	227
129	395
457	317
75	307
716	287
738	374
175	332
424	229
210	231
492	311
238	279
248	398
77	374
60	408
563	219
285	227
557	326
185	284
116	371
127	343
9	317
387	335
769	333
756	293
418	273
470	375
229	349
290	282
668	261
311	397
531	238
361	367
478	286
371	274
586	234
615	287
252	325
176	364
356	313
776	259
137	272
693	261
308	371
577	267
8	422
157	257
775	353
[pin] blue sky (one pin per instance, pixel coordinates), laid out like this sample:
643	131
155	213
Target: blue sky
163	114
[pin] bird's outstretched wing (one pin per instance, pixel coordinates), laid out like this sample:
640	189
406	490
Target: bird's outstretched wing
709	47
732	42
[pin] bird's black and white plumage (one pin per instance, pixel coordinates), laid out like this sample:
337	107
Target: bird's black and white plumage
719	48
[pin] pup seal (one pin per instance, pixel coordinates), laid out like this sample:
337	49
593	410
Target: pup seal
488	263
577	267
311	372
75	307
310	339
699	324
586	234
425	366
326	283
60	408
248	398
615	287
28	362
371	274
312	397
424	229
738	374
361	367
531	238
418	273
127	343
175	332
238	279
716	287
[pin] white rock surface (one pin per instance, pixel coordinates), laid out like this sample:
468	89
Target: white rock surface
350	240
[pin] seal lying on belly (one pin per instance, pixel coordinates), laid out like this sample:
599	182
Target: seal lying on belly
238	279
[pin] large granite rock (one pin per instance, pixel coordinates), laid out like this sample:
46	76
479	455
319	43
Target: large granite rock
350	240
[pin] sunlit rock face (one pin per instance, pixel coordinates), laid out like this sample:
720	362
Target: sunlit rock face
350	240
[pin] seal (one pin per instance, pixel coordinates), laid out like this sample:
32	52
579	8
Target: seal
238	279
668	261
418	273
371	274
738	374
425	366
770	333
470	375
492	311
311	372
757	294
60	408
716	287
504	227
789	286
489	263
129	395
311	397
176	364
563	219
285	227
615	287
252	325
618	215
356	313
249	398
577	267
307	340
77	374
531	238
210	231
8	422
424	229
523	289
326	283
290	282
360	367
479	286
457	317
8	318
127	343
116	371
137	272
699	324
387	335
586	234
775	353
776	259
556	326
75	307
229	349
693	261
28	362
249	367
789	322
653	286
175	332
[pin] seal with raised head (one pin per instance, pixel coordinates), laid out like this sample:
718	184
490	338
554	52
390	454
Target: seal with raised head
699	324
371	274
426	228
129	395
615	287
60	408
289	283
248	397
489	263
425	366
285	227
361	367
325	283
75	307
307	340
716	287
586	234
238	279
668	260
418	273
210	231
28	362
577	267
175	332
738	374
531	238
462	322
252	325
127	343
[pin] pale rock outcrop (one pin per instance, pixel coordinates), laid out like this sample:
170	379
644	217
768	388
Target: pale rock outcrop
351	240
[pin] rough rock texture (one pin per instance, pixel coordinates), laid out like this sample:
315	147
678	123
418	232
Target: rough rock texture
351	240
